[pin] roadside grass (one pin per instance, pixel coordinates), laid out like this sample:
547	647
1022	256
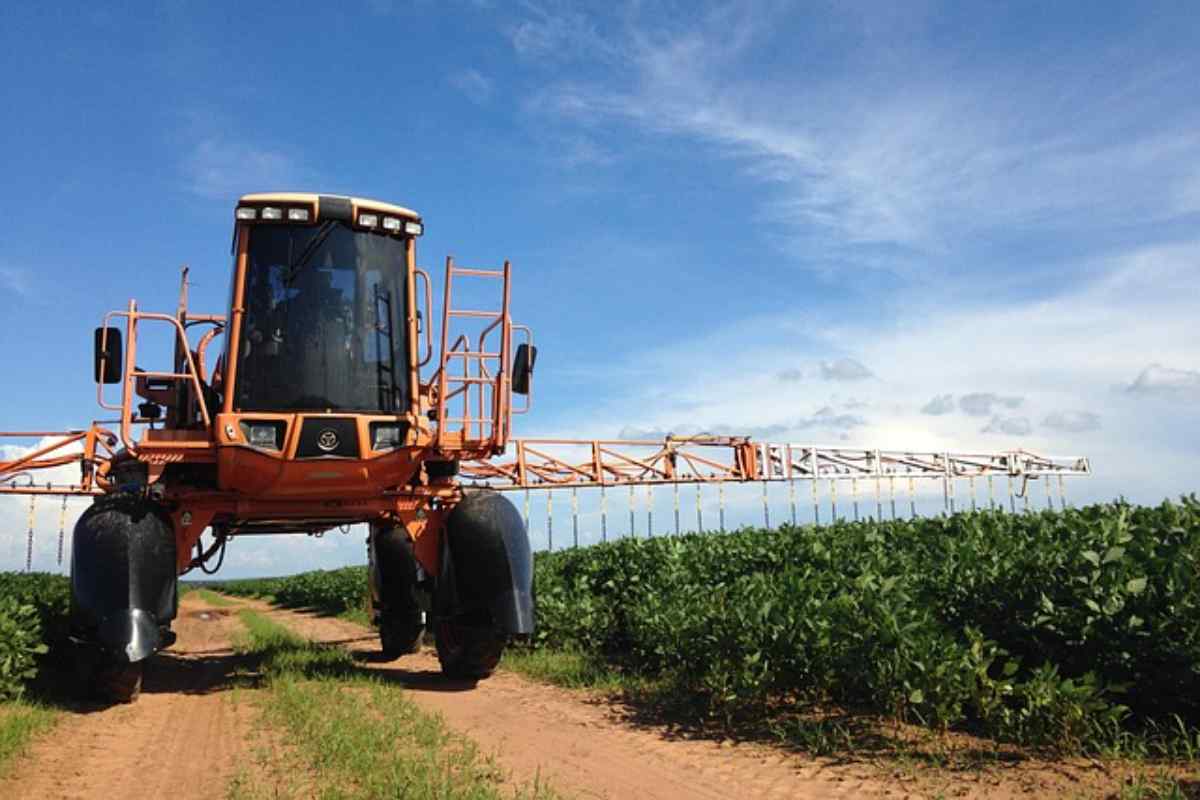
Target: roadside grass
20	721
567	668
214	599
1158	787
353	734
359	616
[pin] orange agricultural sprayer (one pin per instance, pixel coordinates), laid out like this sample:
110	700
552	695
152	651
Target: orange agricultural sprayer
316	402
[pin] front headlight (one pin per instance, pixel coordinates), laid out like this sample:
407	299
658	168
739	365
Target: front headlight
388	435
264	435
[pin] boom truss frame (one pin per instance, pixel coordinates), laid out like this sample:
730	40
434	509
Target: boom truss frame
577	463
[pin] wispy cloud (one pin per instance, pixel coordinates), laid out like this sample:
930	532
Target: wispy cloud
476	86
980	404
555	33
939	405
844	369
1009	426
221	165
1072	421
791	375
16	281
858	157
1066	354
826	420
1160	381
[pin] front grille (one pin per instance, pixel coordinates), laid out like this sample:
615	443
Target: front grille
322	437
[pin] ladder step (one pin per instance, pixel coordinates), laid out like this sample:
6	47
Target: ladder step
465	354
454	312
481	273
469	379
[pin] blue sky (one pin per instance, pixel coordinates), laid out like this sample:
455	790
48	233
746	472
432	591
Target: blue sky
953	226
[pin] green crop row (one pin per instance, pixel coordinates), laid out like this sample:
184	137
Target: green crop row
33	617
329	591
1054	628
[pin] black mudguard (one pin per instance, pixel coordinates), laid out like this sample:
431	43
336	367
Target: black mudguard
123	579
487	565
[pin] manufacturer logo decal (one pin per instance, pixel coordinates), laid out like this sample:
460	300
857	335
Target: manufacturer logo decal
327	440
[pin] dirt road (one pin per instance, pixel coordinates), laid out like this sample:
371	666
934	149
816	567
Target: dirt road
181	739
586	748
190	733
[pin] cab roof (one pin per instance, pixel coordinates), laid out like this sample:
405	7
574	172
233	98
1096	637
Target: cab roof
358	203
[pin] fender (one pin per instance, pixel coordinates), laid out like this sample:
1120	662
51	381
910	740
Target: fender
487	564
123	580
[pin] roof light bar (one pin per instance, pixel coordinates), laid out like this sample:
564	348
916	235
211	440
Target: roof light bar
391	224
298	214
244	212
368	220
414	228
272	213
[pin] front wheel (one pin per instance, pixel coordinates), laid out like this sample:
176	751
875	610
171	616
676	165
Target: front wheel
109	680
399	637
467	652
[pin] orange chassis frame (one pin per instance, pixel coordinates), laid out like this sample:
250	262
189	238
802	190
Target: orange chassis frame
302	495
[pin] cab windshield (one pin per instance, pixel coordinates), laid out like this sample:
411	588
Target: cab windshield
324	307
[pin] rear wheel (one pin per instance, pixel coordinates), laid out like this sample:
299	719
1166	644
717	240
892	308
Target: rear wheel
398	637
466	651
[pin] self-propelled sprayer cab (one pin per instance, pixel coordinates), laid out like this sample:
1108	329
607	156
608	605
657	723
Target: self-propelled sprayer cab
318	391
315	415
319	383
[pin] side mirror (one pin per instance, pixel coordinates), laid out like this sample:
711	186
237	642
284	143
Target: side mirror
108	365
523	368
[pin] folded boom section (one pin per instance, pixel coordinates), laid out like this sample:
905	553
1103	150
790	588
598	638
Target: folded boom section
565	463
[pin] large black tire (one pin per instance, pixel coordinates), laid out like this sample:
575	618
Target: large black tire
467	652
119	683
399	637
108	680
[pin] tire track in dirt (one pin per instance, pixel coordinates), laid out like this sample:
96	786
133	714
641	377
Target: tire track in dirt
581	746
181	739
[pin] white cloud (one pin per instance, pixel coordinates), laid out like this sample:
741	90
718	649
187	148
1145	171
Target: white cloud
867	157
979	404
559	34
1065	352
939	405
222	167
1072	421
1183	384
791	375
474	84
1009	426
47	513
16	281
844	369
